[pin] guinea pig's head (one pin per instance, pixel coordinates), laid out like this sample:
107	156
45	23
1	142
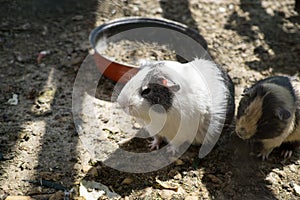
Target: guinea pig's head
151	86
262	113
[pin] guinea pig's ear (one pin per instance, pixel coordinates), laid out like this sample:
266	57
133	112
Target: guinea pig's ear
248	92
254	91
245	91
283	114
169	84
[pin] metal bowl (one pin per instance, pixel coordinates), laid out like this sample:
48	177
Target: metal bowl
186	42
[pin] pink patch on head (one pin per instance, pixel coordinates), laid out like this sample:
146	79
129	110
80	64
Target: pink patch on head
165	82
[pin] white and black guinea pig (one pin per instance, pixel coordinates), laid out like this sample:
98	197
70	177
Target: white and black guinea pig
269	113
173	98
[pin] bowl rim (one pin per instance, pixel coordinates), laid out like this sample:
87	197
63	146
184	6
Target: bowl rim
146	22
118	25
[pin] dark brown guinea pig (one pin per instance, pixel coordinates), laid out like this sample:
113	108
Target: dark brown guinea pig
269	113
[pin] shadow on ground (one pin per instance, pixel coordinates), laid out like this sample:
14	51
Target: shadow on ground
282	48
47	23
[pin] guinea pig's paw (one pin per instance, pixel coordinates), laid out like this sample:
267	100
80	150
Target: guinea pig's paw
286	154
154	144
264	154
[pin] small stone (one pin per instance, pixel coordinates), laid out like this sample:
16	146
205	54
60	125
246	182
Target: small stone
293	168
76	60
86	168
179	162
158	10
137	126
20	58
127	181
26	26
273	178
114	11
214	179
77	18
177	176
135	9
296	188
222	9
14	100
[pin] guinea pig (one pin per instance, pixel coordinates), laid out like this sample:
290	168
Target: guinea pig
269	113
180	102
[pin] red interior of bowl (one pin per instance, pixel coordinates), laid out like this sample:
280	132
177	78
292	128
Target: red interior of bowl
113	70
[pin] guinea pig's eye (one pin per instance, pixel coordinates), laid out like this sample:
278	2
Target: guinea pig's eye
145	91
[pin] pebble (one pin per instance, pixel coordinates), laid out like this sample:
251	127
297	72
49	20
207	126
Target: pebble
296	188
214	179
231	6
127	181
137	126
177	176
135	9
158	10
76	60
179	162
26	26
222	9
77	18
273	178
293	168
20	58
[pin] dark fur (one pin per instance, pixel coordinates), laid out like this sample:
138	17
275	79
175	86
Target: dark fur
289	146
274	118
158	94
230	104
154	91
279	80
269	125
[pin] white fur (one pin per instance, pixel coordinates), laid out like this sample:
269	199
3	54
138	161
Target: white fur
199	107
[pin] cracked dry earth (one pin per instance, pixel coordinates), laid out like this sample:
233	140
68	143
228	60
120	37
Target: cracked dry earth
251	39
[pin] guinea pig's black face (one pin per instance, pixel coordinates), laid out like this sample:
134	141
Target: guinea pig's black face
155	93
158	89
260	115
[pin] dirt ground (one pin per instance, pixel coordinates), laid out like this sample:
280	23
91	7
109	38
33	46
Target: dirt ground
251	39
